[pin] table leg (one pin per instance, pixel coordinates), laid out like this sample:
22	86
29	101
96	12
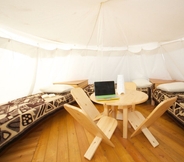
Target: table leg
125	122
106	111
115	110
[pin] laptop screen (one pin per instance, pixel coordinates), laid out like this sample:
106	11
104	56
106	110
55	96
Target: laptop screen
104	88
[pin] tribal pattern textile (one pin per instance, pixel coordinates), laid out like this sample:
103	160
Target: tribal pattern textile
177	110
18	115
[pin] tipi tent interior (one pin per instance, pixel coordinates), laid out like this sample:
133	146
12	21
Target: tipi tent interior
43	41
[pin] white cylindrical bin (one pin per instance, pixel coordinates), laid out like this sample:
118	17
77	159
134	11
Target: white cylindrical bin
120	84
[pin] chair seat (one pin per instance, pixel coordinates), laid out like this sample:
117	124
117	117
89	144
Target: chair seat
107	125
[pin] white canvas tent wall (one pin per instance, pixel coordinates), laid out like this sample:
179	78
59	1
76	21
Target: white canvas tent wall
43	41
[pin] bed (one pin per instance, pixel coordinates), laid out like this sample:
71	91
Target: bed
17	116
168	90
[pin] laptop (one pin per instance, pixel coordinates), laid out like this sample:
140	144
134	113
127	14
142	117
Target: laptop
105	90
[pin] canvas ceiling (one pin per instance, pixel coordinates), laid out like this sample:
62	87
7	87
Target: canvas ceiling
44	41
102	24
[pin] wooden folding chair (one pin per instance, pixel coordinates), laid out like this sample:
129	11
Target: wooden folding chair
102	131
130	86
139	123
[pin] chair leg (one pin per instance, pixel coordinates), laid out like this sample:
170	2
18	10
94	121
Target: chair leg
92	148
150	137
106	109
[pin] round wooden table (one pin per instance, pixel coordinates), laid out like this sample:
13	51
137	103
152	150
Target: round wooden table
126	101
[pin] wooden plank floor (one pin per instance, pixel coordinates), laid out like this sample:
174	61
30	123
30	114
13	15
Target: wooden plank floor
59	138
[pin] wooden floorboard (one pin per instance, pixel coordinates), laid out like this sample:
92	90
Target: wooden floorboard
59	138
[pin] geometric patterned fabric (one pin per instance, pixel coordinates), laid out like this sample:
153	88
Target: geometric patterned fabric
18	115
177	110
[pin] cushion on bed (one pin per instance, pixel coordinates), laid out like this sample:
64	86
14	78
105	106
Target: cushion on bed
172	87
56	88
142	83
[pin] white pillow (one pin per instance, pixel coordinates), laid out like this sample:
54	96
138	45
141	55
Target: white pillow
172	87
56	88
142	83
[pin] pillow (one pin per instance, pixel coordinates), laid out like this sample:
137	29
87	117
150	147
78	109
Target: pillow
56	88
172	87
142	83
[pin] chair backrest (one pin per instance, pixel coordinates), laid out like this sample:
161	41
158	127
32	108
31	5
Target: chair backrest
84	120
130	85
85	103
155	114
